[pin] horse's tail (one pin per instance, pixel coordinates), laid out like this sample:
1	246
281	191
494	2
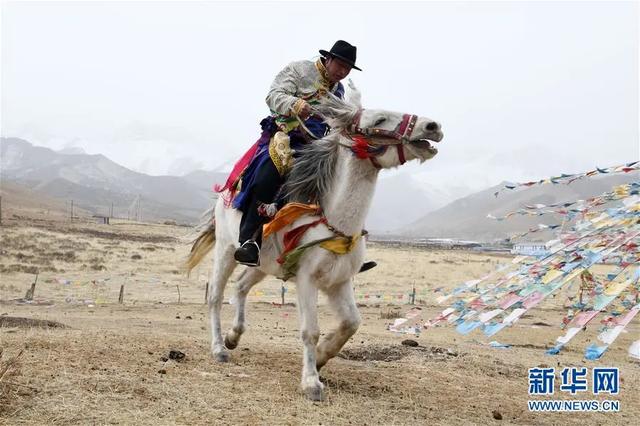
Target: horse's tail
202	245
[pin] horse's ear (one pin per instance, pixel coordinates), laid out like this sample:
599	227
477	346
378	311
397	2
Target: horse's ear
353	95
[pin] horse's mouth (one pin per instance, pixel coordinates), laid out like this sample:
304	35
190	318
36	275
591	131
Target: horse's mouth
424	144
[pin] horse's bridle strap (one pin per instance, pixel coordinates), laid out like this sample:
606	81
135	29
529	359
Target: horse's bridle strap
400	135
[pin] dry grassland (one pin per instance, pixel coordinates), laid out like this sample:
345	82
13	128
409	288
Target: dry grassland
94	361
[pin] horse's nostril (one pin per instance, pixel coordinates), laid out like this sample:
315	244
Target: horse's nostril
433	126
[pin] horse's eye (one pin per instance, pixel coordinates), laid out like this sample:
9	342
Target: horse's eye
379	121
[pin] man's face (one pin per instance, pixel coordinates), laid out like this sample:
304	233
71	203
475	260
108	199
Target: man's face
337	69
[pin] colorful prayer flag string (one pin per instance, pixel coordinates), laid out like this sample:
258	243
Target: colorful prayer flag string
565	178
610	236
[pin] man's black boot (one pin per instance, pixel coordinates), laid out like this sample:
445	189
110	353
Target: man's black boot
367	265
248	253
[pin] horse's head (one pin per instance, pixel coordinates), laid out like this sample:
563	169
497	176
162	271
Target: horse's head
392	138
387	138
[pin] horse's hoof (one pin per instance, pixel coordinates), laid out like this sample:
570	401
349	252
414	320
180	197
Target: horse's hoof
222	356
314	393
230	344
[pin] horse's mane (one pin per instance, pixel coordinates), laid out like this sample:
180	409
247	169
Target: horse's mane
338	113
314	166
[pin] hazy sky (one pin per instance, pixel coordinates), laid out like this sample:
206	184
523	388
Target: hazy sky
523	89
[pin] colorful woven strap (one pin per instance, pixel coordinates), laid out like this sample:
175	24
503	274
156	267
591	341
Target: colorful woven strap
287	215
291	261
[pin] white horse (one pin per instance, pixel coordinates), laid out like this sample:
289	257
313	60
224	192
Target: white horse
328	173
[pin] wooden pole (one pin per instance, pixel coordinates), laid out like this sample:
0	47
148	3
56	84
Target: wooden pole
282	291
32	290
413	296
178	287
206	293
121	297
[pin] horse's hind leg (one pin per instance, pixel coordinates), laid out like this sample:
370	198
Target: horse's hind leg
223	266
248	279
343	303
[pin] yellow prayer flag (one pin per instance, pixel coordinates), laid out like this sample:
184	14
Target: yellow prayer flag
615	288
551	275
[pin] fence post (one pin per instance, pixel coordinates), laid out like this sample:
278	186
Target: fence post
31	291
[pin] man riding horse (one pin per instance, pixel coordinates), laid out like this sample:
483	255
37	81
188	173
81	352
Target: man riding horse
254	184
316	238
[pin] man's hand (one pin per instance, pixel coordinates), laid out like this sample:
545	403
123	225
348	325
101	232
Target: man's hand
305	111
301	109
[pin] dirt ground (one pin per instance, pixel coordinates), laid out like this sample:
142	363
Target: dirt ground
106	363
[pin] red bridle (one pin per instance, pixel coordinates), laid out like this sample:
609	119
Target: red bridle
364	147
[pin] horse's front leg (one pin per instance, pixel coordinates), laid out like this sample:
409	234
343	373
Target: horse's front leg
342	302
309	332
249	278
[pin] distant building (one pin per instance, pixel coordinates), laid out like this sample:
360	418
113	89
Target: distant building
103	220
530	249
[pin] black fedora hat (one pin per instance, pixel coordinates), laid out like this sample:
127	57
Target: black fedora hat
343	51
